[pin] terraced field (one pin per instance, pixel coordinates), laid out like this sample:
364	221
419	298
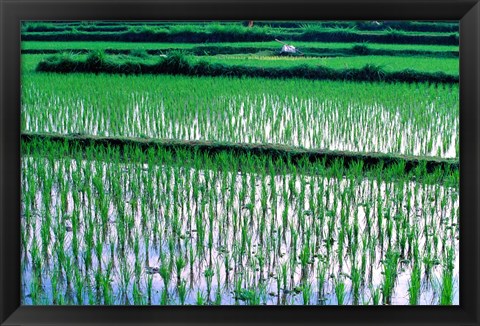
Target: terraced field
172	167
272	45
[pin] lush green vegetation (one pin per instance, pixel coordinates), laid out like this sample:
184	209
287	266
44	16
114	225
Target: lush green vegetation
449	66
38	45
268	67
439	27
172	163
187	33
184	229
347	116
290	154
356	50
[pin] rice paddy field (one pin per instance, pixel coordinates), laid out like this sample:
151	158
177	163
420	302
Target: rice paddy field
177	206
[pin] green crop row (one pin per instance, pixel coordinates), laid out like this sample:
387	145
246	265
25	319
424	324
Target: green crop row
292	155
226	27
413	26
236	33
314	46
358	25
346	116
356	50
448	66
178	64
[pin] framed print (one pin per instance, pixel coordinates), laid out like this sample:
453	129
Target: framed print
240	162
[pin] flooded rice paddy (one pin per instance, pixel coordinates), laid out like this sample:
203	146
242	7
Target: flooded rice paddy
346	116
129	222
197	229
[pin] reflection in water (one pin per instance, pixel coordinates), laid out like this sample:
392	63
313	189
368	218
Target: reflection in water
327	115
131	233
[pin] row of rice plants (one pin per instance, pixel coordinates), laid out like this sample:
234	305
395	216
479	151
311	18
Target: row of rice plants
236	32
358	25
309	52
108	227
177	63
389	63
336	59
38	45
309	114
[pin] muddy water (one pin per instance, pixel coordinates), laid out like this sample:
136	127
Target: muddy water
167	206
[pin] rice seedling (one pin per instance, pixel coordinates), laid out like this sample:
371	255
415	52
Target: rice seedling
447	282
340	291
414	285
390	266
200	299
306	293
182	291
356	281
375	295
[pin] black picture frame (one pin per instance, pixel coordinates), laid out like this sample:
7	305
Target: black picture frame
12	12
